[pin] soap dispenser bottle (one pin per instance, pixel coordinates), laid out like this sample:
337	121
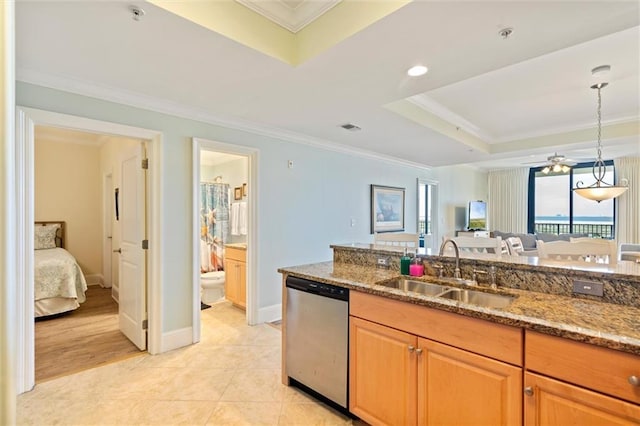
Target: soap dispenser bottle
416	268
405	260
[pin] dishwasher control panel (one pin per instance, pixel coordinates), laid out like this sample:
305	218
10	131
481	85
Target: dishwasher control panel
318	288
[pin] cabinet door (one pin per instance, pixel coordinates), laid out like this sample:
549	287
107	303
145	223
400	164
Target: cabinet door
242	284
457	387
231	280
550	402
382	374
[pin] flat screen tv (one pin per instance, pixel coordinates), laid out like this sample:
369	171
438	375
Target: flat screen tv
477	216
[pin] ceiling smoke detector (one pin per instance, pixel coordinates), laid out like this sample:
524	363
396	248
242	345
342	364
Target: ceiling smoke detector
136	11
351	127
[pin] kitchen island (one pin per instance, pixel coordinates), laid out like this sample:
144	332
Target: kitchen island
545	338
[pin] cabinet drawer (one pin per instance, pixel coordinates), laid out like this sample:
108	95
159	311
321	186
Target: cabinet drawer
235	254
601	369
496	341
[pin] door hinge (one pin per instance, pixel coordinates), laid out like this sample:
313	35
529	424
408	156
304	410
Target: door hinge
145	324
145	163
145	244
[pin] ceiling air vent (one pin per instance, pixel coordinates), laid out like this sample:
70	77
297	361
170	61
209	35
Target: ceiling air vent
351	127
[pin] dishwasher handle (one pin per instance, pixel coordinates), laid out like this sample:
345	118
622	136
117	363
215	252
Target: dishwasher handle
321	289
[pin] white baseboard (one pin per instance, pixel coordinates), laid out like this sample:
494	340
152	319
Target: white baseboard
270	313
94	279
176	339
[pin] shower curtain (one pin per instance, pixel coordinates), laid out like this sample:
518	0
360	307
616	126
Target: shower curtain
214	224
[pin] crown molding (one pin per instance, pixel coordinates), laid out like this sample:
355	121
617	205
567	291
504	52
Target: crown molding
164	106
426	103
291	18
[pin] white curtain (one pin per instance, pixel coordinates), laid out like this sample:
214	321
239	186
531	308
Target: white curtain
508	200
628	204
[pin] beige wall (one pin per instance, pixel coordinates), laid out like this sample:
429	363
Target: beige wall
67	187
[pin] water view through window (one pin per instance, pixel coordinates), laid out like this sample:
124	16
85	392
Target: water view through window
558	210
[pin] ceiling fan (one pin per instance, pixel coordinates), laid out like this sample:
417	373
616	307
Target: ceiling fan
556	163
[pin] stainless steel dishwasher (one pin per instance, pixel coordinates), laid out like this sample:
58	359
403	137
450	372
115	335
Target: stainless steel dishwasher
317	338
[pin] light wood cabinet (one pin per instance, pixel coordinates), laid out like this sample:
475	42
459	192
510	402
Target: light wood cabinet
551	402
457	387
383	374
398	377
235	285
594	385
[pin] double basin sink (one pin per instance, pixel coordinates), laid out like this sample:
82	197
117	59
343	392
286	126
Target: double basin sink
473	297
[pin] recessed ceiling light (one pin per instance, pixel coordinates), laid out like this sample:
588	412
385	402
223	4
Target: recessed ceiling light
417	71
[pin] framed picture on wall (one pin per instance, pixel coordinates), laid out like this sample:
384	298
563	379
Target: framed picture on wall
237	193
244	189
387	209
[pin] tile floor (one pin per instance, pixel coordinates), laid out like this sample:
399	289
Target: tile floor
232	377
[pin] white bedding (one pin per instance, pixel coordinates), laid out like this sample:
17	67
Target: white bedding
57	276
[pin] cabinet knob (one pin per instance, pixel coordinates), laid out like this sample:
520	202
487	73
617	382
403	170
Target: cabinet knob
418	351
634	380
411	348
528	391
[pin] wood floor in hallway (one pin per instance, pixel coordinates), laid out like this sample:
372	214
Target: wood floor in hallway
81	339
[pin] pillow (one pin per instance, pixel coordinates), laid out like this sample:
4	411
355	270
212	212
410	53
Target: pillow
547	238
45	236
528	241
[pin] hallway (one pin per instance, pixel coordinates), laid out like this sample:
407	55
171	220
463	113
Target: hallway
231	377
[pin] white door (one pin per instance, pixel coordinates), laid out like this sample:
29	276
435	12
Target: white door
132	283
107	257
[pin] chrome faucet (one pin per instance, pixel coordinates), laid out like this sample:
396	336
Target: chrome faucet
456	272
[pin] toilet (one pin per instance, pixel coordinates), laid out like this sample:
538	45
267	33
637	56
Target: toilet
212	286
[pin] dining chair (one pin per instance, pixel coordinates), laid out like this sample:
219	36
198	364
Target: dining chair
397	239
582	250
515	246
481	245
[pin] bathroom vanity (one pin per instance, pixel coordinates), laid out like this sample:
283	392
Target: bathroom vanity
235	287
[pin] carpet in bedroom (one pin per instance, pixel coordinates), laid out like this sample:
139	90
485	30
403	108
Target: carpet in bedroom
81	339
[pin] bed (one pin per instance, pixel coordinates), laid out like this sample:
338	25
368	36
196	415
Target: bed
59	284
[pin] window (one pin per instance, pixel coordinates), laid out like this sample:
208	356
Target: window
427	213
555	209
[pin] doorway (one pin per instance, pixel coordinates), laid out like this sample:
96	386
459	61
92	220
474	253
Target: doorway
70	184
227	172
27	120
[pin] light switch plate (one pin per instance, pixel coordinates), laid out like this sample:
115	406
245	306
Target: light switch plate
588	287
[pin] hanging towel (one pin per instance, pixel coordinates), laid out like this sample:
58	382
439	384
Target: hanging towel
242	226
235	219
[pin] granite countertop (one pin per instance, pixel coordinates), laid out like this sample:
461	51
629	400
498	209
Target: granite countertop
628	269
604	324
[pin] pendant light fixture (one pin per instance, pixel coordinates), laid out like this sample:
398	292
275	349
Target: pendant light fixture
599	190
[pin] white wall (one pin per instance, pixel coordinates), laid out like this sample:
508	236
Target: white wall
302	210
457	186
